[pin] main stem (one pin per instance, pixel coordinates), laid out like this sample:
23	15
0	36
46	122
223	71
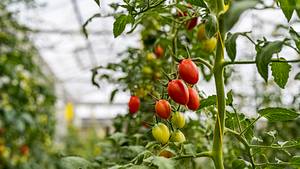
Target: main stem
217	152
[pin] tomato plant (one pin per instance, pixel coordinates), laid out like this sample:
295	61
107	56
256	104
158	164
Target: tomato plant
189	48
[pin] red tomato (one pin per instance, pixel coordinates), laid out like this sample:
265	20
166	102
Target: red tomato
188	71
24	149
159	51
178	91
194	101
134	104
192	23
163	109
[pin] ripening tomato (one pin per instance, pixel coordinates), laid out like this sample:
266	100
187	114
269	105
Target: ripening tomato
188	71
163	109
178	136
159	51
24	150
192	23
194	101
166	154
161	133
178	91
134	104
150	57
181	14
209	45
178	120
201	34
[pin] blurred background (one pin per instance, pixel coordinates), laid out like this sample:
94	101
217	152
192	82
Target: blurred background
65	57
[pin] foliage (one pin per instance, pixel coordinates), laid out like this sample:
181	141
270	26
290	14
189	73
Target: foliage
26	100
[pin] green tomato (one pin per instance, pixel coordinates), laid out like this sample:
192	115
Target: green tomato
161	133
178	137
178	120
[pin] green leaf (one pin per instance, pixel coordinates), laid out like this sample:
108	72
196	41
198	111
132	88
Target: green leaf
120	24
163	163
280	72
75	163
241	164
199	3
97	2
295	36
215	7
276	114
297	7
229	99
235	11
295	160
264	56
287	7
211	26
209	101
230	44
297	77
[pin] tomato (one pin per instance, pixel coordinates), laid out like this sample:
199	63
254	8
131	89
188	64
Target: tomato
147	70
150	57
201	34
178	136
166	154
191	23
159	51
194	101
24	150
157	75
134	104
161	133
178	120
181	14
178	91
209	45
163	109
188	71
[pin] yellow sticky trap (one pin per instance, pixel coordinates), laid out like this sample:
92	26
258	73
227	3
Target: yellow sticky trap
69	112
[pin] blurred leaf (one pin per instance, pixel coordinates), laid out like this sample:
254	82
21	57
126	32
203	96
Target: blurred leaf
199	3
241	164
209	101
118	138
235	11
162	162
189	149
274	114
75	163
264	56
295	161
280	72
287	7
97	2
230	44
120	24
215	7
297	77
211	26
229	100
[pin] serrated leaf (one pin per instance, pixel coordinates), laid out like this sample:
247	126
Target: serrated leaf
276	114
264	56
199	3
280	72
120	24
230	44
73	162
235	11
241	164
297	77
211	26
287	7
209	101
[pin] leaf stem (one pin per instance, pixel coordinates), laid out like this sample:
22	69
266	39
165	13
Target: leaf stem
204	62
250	125
253	61
202	154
